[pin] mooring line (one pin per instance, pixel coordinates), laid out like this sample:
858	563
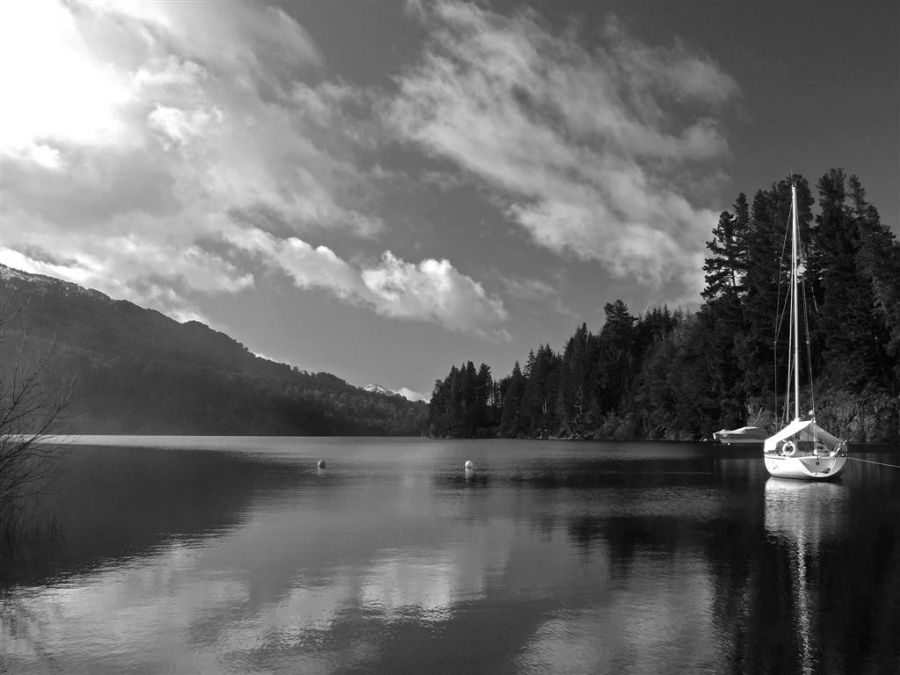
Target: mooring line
870	461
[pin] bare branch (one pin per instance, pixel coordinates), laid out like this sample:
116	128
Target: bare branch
31	400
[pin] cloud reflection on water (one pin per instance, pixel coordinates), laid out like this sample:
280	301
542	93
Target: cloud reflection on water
398	567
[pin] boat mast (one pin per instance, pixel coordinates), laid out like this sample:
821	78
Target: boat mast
795	322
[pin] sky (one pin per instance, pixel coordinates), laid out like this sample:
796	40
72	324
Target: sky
381	190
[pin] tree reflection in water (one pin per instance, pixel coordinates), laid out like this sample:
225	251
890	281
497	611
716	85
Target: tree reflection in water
559	557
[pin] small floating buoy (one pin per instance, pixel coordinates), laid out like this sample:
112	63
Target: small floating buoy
470	465
320	464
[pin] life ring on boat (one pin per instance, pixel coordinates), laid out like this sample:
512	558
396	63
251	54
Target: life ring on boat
789	448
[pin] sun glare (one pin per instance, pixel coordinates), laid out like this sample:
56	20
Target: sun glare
54	90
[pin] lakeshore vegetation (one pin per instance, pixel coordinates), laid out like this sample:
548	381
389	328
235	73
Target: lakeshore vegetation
681	375
661	375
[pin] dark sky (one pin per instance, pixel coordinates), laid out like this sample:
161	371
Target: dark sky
381	189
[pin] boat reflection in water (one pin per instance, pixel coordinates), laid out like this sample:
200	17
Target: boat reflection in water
805	517
239	555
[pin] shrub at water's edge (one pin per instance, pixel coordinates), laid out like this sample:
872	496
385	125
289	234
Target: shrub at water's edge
32	402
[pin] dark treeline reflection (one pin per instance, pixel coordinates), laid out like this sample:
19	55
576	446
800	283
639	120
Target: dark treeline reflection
548	557
805	575
107	504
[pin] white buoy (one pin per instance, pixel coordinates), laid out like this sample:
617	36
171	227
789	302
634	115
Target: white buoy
470	465
320	464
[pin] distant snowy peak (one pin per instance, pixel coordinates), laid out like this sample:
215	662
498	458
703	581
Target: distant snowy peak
408	394
378	389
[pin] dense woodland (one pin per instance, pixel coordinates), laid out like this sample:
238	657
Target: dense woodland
134	370
663	375
679	375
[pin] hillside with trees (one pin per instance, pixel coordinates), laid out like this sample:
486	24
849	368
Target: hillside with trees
679	375
134	370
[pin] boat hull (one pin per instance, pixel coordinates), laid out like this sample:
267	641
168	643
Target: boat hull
805	468
738	440
742	436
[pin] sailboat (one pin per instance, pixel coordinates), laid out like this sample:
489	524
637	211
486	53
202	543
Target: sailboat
802	449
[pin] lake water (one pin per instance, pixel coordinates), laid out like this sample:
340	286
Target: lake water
238	555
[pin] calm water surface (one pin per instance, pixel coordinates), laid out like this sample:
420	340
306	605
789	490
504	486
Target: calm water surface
185	555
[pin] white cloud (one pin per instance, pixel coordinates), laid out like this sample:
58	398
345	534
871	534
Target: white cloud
411	395
528	289
432	291
146	270
148	147
169	71
307	267
256	44
54	87
132	132
180	126
587	146
176	130
45	156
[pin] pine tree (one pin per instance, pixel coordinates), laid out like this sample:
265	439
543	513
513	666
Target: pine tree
615	365
512	389
851	351
540	395
727	265
437	410
766	279
574	383
484	388
878	260
677	375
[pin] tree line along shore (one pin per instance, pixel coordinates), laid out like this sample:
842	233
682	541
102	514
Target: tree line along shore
677	375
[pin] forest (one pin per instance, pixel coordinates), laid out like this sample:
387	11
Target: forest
132	370
678	375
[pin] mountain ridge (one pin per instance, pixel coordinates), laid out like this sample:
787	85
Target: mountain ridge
138	370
